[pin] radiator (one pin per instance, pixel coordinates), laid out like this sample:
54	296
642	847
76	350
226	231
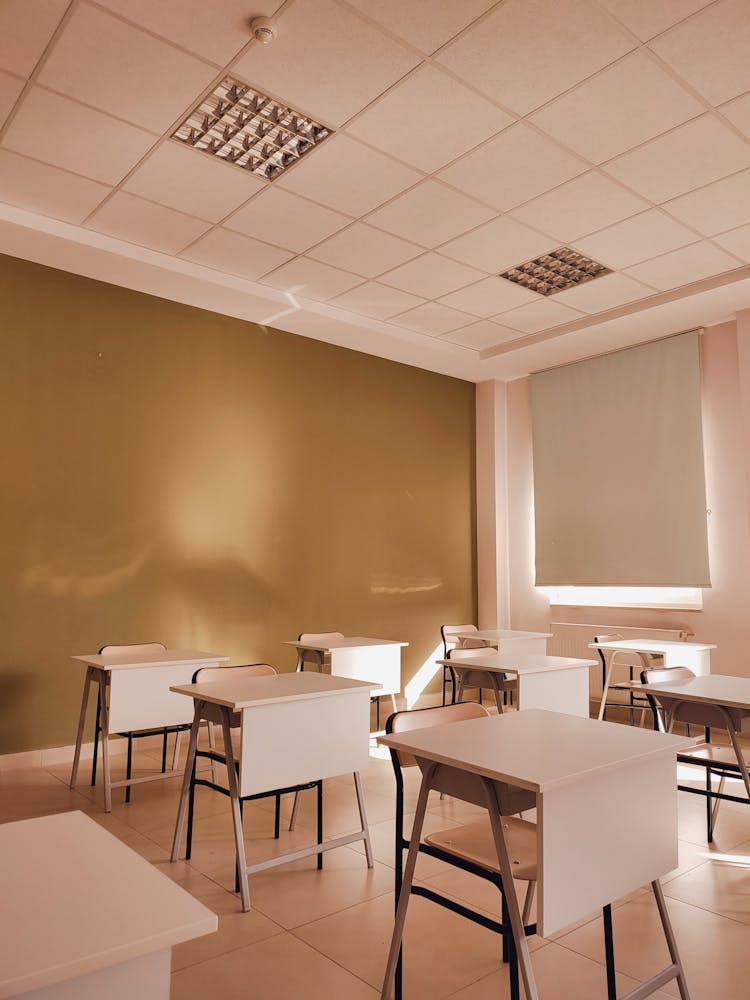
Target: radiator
572	639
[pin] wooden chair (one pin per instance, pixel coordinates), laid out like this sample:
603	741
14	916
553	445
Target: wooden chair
137	647
718	761
470	847
208	675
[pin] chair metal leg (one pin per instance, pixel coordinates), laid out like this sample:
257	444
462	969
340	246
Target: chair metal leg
527	903
185	793
176	751
295	808
129	767
277	818
104	713
212	746
191	813
319	797
717	803
237	860
97	730
164	734
609	952
393	702
239	839
408	879
497	693
81	724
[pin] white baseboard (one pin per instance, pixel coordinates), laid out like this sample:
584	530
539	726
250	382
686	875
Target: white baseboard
64	755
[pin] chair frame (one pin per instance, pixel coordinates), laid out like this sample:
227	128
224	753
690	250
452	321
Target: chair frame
714	769
402	844
637	701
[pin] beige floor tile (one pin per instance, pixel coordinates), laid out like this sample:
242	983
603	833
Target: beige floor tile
732	824
713	948
382	836
560	975
278	968
340	812
721	884
29	793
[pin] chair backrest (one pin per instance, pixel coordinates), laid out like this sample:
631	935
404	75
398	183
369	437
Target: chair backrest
450	634
315	656
133	647
207	675
614	637
450	780
662	675
674	710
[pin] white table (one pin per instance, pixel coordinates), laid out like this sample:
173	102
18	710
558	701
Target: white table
295	728
554	683
86	917
606	812
362	658
511	639
712	700
134	694
695	655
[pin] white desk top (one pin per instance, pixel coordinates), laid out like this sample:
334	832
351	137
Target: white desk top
652	645
506	662
247	692
76	900
711	689
503	634
535	749
344	642
167	658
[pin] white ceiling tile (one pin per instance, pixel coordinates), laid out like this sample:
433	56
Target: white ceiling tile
489	297
236	254
526	52
694	154
581	206
326	61
430	214
10	91
498	245
432	319
428	120
283	218
47	190
622	106
311	279
540	315
66	134
364	250
710	50
738	112
347	176
194	24
25	30
512	168
192	182
479	336
681	267
607	292
376	300
647	18
636	239
430	276
115	67
722	205
737	242
138	221
426	24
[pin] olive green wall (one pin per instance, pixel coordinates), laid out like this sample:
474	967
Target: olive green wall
172	474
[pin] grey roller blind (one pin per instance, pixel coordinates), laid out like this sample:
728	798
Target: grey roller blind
619	487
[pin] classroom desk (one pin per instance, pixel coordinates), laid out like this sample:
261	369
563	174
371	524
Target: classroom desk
555	683
606	813
295	728
363	659
695	655
134	694
726	698
86	917
502	638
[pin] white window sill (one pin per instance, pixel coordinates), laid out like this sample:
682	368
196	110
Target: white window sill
650	598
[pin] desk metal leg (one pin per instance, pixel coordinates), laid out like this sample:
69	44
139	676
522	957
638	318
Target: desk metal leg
679	973
362	818
104	714
81	723
97	731
509	892
408	878
186	779
605	688
239	840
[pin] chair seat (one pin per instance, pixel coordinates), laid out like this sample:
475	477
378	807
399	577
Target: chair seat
706	754
474	842
475	677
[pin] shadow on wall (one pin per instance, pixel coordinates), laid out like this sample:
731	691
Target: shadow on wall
17	696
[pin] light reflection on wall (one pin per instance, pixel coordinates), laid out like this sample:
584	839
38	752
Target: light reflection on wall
423	676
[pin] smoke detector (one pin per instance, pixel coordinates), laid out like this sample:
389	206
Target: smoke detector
264	29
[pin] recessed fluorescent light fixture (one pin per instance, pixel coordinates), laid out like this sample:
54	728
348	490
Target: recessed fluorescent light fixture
242	126
555	271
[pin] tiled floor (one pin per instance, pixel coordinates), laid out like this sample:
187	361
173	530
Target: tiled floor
323	935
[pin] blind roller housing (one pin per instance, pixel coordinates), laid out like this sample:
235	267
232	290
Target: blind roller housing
619	485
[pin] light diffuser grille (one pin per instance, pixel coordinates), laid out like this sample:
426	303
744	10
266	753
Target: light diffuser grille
244	127
555	271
